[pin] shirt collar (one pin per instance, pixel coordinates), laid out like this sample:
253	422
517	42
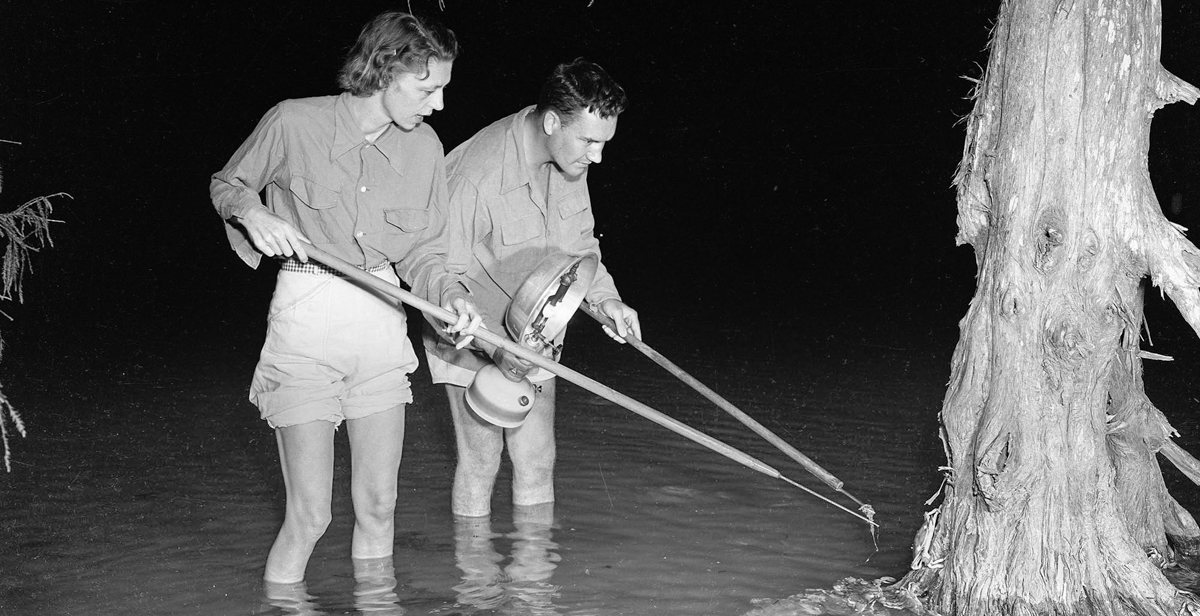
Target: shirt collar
390	145
516	173
346	133
348	136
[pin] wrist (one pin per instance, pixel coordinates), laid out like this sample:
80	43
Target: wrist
455	291
486	348
598	303
247	212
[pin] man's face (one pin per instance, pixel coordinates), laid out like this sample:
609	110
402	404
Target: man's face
575	146
409	99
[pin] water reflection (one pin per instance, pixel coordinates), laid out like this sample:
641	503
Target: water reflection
288	599
374	593
523	585
375	587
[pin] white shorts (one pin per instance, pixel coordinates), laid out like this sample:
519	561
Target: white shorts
333	351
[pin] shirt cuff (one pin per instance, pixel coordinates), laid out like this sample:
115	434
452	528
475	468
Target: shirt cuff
455	290
600	298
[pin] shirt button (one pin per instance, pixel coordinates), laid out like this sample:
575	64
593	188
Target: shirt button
362	189
359	234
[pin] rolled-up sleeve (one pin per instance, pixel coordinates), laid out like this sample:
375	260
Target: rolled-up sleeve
235	188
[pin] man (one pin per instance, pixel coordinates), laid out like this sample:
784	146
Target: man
360	176
518	191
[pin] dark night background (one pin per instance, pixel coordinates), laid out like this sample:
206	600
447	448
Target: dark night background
785	158
781	164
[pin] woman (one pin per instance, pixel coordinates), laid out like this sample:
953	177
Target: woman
360	176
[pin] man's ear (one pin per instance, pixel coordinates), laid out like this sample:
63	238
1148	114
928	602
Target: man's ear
550	123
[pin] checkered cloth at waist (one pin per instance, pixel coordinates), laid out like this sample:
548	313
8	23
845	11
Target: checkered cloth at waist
315	267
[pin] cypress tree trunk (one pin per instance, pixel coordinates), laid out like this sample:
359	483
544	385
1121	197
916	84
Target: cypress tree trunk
1054	502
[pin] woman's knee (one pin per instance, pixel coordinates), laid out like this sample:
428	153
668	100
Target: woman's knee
376	505
309	522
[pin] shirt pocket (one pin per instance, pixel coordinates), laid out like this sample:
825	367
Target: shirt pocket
408	220
313	194
522	244
571	207
405	228
513	233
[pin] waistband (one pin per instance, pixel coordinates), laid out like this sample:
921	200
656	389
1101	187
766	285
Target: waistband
315	267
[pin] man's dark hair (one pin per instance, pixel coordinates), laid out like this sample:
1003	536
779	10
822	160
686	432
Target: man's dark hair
581	86
391	44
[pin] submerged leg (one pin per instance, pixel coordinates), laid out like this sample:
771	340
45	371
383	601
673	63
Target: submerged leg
306	457
376	445
479	446
532	450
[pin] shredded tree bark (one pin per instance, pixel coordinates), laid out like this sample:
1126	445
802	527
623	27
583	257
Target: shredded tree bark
1055	501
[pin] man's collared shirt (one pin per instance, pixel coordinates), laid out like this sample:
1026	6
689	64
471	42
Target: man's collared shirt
501	224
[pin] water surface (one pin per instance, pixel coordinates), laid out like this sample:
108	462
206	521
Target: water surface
148	484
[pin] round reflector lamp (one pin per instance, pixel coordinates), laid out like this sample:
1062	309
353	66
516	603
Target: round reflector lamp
499	400
548	298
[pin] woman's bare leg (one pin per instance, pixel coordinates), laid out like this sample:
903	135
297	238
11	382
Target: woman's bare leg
306	457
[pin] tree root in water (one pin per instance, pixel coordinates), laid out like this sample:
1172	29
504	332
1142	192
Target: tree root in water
881	597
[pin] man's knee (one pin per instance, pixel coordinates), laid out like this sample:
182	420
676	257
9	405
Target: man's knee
533	481
536	463
479	463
